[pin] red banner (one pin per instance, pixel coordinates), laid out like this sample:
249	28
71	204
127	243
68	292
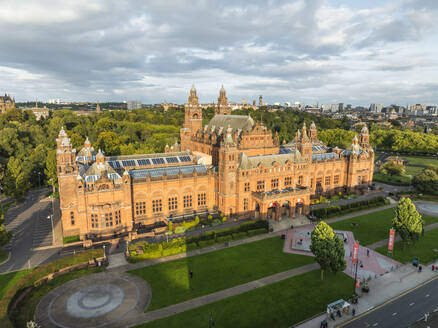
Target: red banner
391	239
357	283
355	251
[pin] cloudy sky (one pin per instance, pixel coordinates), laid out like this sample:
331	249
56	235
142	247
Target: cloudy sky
356	51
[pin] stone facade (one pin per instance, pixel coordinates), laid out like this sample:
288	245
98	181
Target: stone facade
6	103
232	165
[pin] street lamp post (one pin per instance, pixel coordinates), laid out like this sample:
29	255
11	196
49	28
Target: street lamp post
53	231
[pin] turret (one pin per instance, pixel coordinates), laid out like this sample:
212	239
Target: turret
313	133
364	138
192	119
222	103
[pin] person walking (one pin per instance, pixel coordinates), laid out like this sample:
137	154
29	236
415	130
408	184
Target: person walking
353	312
191	274
368	252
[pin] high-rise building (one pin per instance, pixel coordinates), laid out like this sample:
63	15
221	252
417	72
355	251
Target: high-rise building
376	108
134	104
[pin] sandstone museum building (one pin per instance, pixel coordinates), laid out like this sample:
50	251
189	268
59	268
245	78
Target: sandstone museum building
232	165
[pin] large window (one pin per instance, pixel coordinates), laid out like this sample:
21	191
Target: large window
274	184
72	218
300	180
94	221
260	185
247	186
336	180
173	203
188	201
245	204
287	181
108	219
118	218
157	206
327	181
318	182
202	199
140	208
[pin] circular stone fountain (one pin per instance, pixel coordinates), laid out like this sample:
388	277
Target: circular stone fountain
99	300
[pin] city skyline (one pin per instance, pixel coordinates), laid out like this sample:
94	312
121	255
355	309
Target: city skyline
306	51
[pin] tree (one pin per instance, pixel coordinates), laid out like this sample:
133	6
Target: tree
109	142
16	183
407	222
328	248
51	170
427	180
392	168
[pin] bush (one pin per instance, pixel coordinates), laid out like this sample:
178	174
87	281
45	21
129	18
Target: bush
331	211
224	239
180	229
216	222
257	232
210	217
192	246
239	235
170	226
224	219
205	243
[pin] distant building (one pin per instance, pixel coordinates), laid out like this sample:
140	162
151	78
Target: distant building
6	103
376	108
243	101
134	104
260	100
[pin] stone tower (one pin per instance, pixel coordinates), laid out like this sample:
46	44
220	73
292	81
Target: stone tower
222	103
192	119
304	144
67	178
228	164
313	133
364	138
260	101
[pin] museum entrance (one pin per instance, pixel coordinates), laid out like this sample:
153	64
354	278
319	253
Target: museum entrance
273	211
285	209
299	207
257	211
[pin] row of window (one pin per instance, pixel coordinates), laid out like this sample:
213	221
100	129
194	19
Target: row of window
172	202
107	220
288	182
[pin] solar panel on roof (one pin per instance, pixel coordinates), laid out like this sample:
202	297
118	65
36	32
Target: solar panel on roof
144	161
185	158
158	160
128	162
172	160
114	164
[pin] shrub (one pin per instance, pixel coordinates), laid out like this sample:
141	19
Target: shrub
71	239
224	219
180	229
192	246
216	222
205	243
210	217
224	239
257	232
170	226
330	211
239	235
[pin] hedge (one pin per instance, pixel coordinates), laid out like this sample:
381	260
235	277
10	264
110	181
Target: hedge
38	273
256	232
180	245
330	211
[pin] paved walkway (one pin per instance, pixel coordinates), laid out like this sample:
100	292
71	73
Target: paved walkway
382	290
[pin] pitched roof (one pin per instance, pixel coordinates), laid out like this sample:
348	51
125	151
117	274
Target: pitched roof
236	122
250	162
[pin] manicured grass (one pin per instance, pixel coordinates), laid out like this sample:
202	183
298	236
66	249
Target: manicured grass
413	170
70	239
374	226
217	270
392	179
281	304
423	249
24	312
418	160
8	280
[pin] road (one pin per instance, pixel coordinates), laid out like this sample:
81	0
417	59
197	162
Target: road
32	229
403	311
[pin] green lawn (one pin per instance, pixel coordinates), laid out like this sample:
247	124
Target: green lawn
7	280
217	270
281	304
26	308
374	226
3	256
421	160
392	179
423	249
413	170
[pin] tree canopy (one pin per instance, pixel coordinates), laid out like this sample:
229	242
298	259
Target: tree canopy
407	222
328	248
